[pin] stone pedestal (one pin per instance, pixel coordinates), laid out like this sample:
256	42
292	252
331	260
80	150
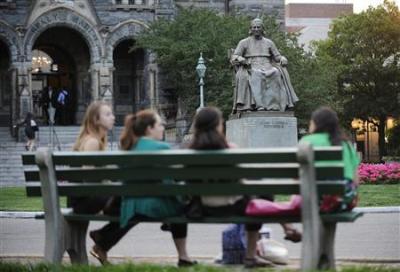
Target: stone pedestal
262	129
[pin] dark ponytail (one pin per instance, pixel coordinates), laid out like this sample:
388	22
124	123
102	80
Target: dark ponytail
135	126
127	138
327	121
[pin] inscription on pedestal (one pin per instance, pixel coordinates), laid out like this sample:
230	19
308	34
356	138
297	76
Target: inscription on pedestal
262	131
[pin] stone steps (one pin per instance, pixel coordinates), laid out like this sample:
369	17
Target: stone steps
11	169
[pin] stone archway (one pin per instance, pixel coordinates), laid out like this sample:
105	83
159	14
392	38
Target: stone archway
5	85
67	67
10	37
129	76
126	30
65	18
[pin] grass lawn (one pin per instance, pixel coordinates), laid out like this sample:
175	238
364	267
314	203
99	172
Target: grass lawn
11	267
14	198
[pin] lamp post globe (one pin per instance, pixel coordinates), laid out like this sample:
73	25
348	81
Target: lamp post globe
201	72
201	68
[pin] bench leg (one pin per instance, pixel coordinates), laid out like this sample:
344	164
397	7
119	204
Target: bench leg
327	252
310	245
54	241
75	241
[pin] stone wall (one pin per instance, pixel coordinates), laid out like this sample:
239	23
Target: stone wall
253	8
258	8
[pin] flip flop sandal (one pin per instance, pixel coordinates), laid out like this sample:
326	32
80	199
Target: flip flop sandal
293	235
99	254
256	262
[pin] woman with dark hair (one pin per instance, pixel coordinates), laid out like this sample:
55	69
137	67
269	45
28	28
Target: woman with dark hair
30	131
209	135
144	131
325	131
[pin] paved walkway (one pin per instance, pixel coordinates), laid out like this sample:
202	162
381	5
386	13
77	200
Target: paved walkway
374	237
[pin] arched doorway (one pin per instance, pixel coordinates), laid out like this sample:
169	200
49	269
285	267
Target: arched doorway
5	86
129	89
66	68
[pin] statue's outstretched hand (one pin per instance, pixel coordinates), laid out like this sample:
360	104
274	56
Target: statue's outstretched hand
238	60
283	61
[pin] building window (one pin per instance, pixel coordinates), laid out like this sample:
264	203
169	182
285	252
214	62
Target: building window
133	2
139	5
7	4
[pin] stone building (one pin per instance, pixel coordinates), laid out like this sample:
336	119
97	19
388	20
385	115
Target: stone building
83	46
313	20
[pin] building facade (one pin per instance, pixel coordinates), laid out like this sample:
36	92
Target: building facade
312	21
84	47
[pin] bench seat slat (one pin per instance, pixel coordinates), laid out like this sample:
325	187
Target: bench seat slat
115	188
338	217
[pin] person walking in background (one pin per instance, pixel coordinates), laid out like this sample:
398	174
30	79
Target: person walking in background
98	120
325	131
63	103
30	130
44	103
144	131
52	94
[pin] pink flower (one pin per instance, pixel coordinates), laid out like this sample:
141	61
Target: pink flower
379	173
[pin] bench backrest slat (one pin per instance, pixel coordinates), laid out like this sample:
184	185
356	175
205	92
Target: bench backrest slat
211	189
190	157
333	171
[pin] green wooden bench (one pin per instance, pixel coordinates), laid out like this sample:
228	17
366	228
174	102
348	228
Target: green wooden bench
267	171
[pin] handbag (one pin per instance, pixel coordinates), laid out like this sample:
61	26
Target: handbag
234	244
272	251
262	207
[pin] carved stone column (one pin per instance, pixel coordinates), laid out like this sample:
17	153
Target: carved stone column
154	101
14	93
94	81
106	83
24	88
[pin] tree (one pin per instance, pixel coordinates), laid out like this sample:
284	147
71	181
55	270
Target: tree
358	45
178	43
394	140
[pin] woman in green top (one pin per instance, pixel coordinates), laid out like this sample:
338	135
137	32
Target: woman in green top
325	131
144	131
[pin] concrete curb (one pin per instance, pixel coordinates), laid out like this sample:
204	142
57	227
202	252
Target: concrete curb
27	215
388	209
203	258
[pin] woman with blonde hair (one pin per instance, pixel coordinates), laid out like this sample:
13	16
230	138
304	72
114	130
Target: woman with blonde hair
144	131
98	120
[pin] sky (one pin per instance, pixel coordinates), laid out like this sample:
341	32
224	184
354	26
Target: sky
358	5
